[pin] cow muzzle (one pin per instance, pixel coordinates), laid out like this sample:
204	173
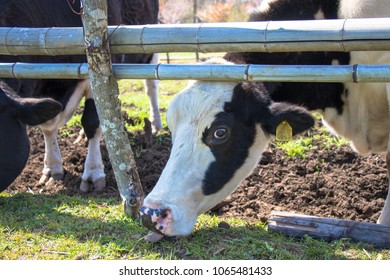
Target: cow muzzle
157	220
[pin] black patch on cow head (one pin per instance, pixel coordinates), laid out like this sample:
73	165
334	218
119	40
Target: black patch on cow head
233	131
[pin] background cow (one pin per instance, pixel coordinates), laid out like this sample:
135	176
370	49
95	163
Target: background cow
51	103
216	148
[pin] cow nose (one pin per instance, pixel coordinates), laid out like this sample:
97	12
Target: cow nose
155	219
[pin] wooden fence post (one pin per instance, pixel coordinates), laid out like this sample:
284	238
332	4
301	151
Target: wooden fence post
105	92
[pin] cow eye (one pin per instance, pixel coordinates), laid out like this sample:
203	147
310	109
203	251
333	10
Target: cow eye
221	134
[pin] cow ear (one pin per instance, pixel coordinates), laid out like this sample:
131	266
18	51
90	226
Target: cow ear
298	118
35	111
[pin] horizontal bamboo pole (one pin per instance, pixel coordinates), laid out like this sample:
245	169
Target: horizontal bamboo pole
209	72
266	36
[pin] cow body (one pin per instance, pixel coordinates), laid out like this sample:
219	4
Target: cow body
358	112
58	99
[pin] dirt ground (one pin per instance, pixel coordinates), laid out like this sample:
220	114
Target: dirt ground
329	182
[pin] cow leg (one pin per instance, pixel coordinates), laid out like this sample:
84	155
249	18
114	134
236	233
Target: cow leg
94	167
53	160
151	87
384	218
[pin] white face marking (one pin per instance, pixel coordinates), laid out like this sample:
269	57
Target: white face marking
180	186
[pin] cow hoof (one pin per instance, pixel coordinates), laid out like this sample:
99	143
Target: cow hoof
84	186
99	185
57	177
48	179
156	127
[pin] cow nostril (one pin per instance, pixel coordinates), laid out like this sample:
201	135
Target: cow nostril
155	219
164	213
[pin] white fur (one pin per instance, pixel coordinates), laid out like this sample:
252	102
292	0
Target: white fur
364	8
94	167
180	185
365	119
151	87
320	14
264	5
53	160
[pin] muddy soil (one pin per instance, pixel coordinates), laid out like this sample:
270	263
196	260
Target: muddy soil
330	182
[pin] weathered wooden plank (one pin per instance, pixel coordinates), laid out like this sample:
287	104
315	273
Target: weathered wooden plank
210	72
328	228
273	36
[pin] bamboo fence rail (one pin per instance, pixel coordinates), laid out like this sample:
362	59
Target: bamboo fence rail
267	36
209	72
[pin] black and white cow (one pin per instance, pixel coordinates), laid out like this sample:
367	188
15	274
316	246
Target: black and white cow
220	129
51	103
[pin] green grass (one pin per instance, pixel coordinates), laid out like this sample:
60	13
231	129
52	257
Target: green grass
135	102
301	144
297	147
72	227
84	227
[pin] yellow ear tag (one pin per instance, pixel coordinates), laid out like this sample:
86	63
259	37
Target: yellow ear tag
284	132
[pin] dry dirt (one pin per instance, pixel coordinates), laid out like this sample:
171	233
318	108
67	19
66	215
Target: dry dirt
329	182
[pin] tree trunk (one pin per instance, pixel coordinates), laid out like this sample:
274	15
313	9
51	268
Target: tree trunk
105	92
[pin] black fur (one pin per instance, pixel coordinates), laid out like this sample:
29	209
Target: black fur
19	108
311	95
14	115
297	10
89	120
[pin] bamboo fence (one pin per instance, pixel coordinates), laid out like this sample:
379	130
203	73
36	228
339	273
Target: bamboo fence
208	72
267	36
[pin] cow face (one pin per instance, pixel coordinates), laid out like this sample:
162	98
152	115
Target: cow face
219	131
14	144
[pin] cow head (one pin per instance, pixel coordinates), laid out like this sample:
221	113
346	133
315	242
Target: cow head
219	131
15	113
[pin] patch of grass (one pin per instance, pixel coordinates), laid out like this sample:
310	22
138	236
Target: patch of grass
330	140
75	121
73	227
135	102
297	147
300	145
